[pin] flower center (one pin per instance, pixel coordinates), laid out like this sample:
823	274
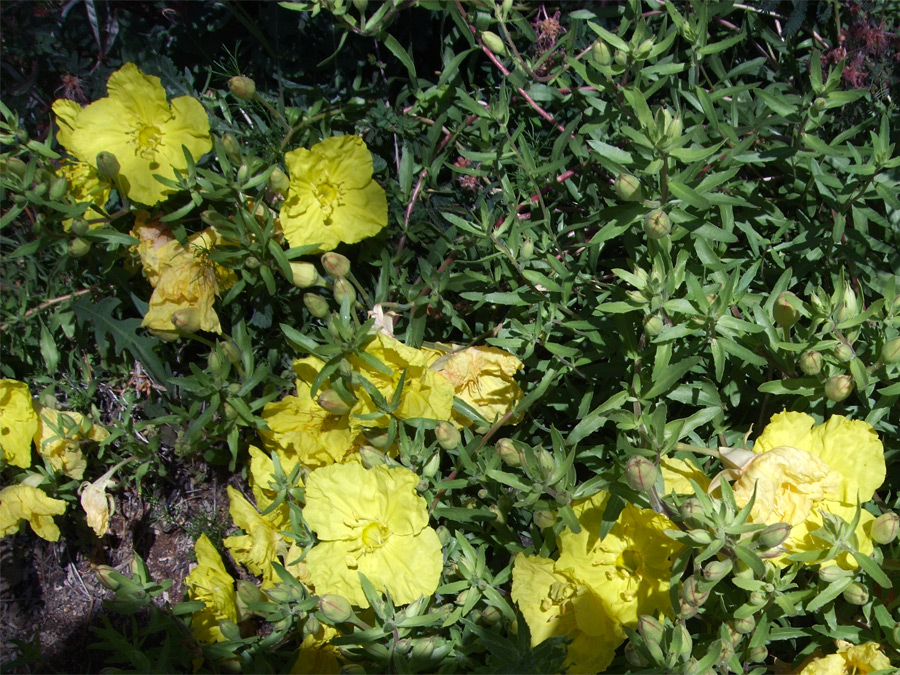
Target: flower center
329	197
148	138
375	535
629	561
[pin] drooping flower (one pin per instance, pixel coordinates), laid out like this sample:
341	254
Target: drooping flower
61	435
23	502
677	474
850	659
85	185
630	568
140	127
97	504
210	583
262	544
18	422
332	197
370	522
554	603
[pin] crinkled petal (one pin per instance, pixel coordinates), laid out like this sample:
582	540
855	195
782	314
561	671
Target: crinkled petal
853	449
18	422
25	502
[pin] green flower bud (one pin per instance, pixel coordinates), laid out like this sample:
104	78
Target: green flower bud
546	462
726	652
620	57
444	535
643	50
849	306
377	437
691	508
758	654
447	435
687	644
634	657
657	224
214	361
493	42
331	401
744	626
231	350
686	610
692	592
337	265
774	535
784	312
78	247
628	188
335	608
810	362
279	594
640	473
432	465
526	250
186	320
895	634
702	537
232	147
838	388
716	569
303	274
107	165
343	288
508	452
490	616
820	103
108	576
890	351
544	518
243	88
247	594
251	262
856	594
653	325
370	457
831	573
843	352
15	166
600	53
885	527
57	189
279	182
316	305
651	629
758	598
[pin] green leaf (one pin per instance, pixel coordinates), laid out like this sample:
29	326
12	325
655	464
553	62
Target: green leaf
402	55
776	103
666	379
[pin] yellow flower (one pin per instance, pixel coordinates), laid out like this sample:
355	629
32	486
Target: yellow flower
98	505
85	185
60	437
332	197
211	584
849	660
425	393
26	502
483	377
262	543
137	125
262	470
316	655
301	430
553	603
676	474
373	522
630	568
18	422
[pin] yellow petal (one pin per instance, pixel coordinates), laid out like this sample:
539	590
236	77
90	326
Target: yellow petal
18	422
25	502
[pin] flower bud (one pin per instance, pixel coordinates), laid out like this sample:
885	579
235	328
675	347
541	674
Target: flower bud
243	88
493	42
331	401
884	528
508	452
78	247
279	182
316	305
303	274
335	608
690	509
108	576
343	288
640	473
651	629
702	537
692	592
774	535
820	103
620	57
15	166
831	573
849	307
643	50
600	53
810	362
657	224
545	461
843	352
686	610
634	657
447	435
745	625
838	388
57	189
232	147
758	654
186	320
247	594
444	535
370	457
432	465
628	188
490	616
653	325
423	648
890	351
377	437
784	312
107	165
716	569
337	265
544	518
526	250
758	598
856	594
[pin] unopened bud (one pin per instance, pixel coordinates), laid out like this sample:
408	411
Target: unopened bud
490	616
15	166
690	509
653	325
107	165
108	576
493	42
856	594
316	304
692	593
248	594
444	535
651	629
758	598
784	312
343	288
890	351
717	569
774	535
640	473
884	528
377	437
600	53
620	57
820	103
849	305
810	362
838	388
447	435
370	457
702	537
843	352
526	250
744	626
687	644
78	247
758	654
432	465
831	573
331	401
686	610
187	320
423	648
335	608
643	50
232	147
544	518
303	274
634	657
657	224
546	462
508	452
57	189
336	264
279	182
242	87
628	188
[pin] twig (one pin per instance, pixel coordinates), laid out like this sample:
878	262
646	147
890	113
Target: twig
45	305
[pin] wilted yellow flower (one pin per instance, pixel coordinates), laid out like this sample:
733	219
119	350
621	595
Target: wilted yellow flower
26	502
373	522
630	568
677	474
137	125
425	393
483	377
211	584
85	185
261	545
553	603
60	437
97	505
317	655
301	430
18	422
332	197
849	660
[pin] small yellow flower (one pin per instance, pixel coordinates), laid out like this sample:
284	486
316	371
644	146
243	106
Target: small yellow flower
18	422
630	568
211	584
60	437
373	522
261	545
553	603
26	502
85	185
677	474
849	660
137	125
332	197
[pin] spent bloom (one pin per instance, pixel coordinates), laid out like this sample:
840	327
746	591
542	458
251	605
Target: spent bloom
850	659
18	422
85	185
370	522
332	197
143	130
262	542
22	502
60	437
210	583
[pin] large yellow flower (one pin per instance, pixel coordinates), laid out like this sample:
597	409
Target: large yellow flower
800	470
26	502
137	125
60	437
553	603
850	659
332	197
373	522
18	422
210	583
630	568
